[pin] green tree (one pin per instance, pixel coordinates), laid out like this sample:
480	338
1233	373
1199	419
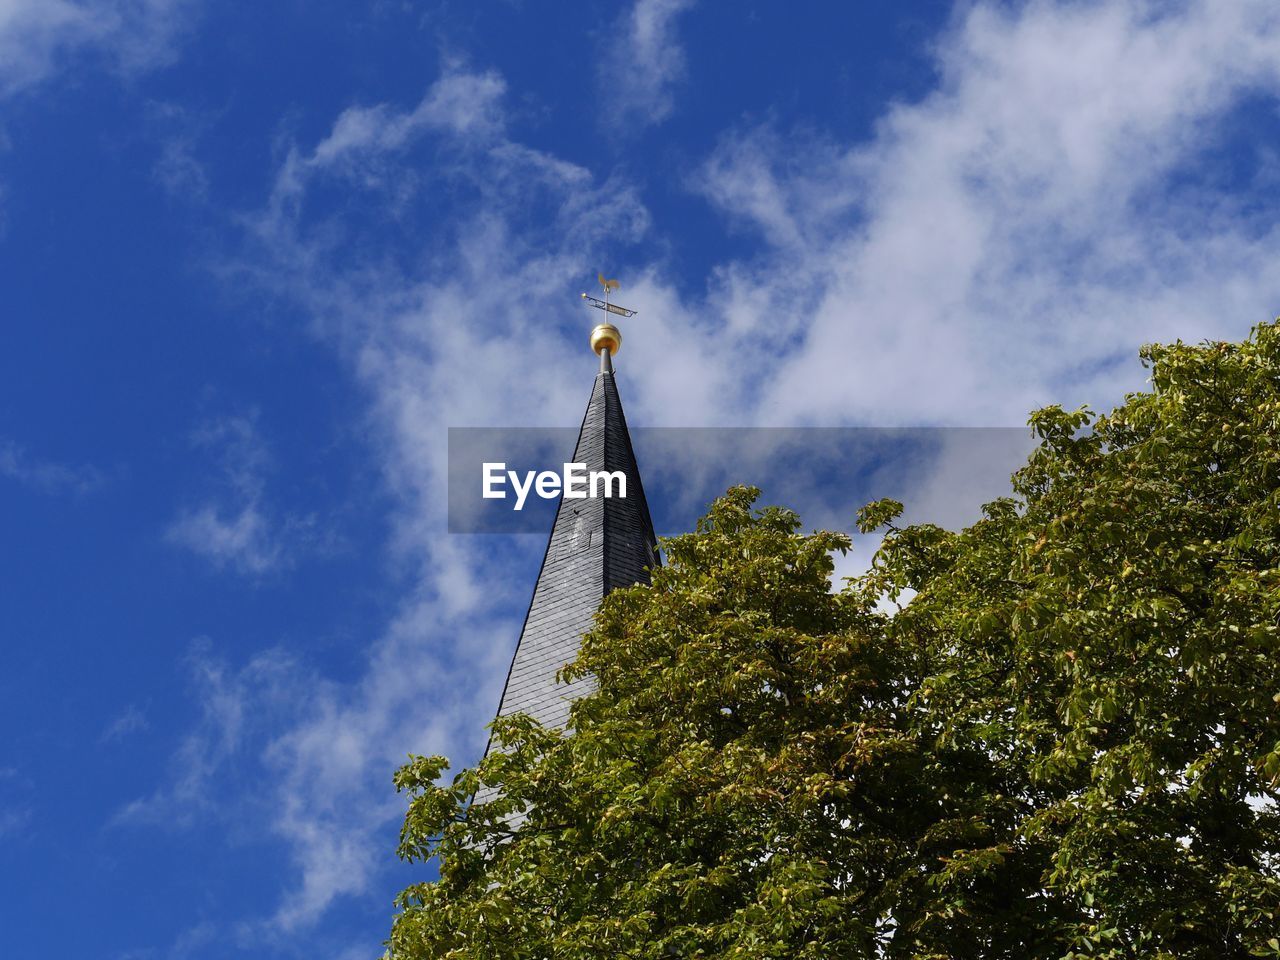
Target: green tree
1066	745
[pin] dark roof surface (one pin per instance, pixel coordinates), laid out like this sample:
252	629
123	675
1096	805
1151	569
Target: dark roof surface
596	545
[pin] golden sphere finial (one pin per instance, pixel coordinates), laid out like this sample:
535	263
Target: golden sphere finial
606	335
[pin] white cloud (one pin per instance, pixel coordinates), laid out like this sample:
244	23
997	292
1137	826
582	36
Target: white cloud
15	807
131	720
14	820
240	537
37	37
178	169
235	708
365	146
46	476
459	102
1012	238
235	527
640	67
430	678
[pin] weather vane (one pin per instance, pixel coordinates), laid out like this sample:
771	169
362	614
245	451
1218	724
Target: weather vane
609	286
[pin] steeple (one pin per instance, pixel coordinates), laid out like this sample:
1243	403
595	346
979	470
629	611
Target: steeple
596	545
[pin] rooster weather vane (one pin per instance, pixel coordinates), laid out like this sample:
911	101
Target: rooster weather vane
608	286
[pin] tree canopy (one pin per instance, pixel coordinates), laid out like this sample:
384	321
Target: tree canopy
1065	745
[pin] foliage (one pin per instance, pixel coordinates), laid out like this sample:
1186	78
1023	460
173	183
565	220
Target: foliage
1066	745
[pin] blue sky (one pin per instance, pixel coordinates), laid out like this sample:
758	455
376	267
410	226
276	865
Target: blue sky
256	258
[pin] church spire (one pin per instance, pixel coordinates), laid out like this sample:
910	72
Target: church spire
597	544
